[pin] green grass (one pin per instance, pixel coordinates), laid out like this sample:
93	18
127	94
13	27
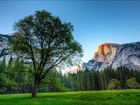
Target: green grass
109	97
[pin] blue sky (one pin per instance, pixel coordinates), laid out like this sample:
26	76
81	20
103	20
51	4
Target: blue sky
94	22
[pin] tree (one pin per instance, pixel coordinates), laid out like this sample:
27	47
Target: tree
114	84
55	83
19	78
3	77
132	83
47	41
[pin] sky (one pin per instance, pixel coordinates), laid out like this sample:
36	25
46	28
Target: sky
95	22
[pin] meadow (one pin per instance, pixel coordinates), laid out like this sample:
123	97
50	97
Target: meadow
107	97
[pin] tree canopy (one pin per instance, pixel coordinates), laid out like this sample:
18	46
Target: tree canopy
132	83
47	41
114	84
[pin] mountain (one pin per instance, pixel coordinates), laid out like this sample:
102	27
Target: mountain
112	55
4	47
5	52
109	55
75	70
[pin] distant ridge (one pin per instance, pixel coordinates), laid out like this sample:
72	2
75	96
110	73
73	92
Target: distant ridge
114	55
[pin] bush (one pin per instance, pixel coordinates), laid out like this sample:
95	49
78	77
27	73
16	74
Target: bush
132	83
114	84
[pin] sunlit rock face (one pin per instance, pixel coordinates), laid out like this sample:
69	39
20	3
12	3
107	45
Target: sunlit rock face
113	55
105	54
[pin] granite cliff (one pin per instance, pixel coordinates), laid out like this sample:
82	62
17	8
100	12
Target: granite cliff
5	52
114	55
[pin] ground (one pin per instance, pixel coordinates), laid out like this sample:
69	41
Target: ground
108	97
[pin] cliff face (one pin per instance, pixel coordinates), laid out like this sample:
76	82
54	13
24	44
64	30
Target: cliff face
115	55
106	52
4	48
5	52
128	55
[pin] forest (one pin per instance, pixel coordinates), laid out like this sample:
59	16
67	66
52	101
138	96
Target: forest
13	80
100	80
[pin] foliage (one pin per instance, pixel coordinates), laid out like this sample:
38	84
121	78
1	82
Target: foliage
99	80
20	81
132	83
114	84
14	80
17	81
2	82
3	77
47	42
52	83
55	83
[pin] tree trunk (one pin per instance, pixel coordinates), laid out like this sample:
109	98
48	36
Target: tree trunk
34	89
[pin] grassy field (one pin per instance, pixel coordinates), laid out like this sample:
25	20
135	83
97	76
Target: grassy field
116	97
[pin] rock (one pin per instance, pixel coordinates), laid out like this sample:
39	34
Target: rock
74	70
106	52
114	55
128	55
5	52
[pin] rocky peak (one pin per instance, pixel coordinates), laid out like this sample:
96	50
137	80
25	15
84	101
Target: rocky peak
106	51
114	55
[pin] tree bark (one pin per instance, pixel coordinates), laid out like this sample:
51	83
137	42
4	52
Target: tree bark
34	89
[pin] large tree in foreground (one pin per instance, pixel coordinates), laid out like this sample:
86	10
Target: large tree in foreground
47	41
